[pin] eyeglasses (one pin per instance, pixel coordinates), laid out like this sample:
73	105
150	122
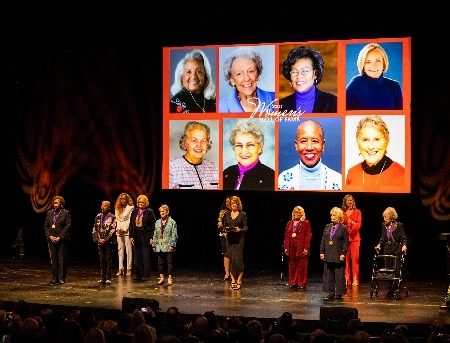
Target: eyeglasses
304	72
248	146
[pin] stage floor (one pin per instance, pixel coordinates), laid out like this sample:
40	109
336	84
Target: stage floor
264	294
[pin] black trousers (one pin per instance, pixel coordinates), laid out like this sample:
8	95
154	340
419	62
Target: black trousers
141	255
165	258
105	253
58	257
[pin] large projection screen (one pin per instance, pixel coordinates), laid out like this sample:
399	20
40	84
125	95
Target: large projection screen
336	120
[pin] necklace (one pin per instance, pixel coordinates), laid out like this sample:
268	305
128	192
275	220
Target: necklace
247	106
379	174
204	102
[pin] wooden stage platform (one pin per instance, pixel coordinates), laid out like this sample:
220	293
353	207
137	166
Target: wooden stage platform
264	294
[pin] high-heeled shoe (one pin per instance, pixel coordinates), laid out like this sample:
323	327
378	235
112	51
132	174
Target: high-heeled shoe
160	282
169	282
233	285
226	278
128	272
120	272
237	287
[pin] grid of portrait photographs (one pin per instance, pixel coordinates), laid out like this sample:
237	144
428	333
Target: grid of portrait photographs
330	116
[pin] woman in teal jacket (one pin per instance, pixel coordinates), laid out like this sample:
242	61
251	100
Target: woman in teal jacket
164	243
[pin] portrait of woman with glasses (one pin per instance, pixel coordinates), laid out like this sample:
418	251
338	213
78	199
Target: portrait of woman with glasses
304	69
247	141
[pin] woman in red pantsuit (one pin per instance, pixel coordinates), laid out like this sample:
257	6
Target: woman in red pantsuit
353	221
297	241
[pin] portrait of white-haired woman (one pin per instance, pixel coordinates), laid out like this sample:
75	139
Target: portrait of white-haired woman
193	89
377	169
192	170
242	70
247	141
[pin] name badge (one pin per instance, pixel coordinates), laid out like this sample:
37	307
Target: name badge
294	235
330	243
53	226
389	242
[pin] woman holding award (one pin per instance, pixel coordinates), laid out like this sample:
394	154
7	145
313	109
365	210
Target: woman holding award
235	224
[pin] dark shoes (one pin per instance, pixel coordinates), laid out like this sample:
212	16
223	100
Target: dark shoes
54	282
160	282
292	286
329	297
62	281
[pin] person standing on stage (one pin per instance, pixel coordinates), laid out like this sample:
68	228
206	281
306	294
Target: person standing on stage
124	206
297	241
235	224
165	243
142	228
104	234
223	237
353	221
393	239
57	225
333	249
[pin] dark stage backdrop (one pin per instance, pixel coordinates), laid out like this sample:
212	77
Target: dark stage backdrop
84	120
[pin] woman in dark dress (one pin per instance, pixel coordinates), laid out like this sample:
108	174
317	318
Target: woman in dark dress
235	223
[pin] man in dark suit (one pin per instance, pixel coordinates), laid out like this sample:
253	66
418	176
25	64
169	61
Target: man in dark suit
57	225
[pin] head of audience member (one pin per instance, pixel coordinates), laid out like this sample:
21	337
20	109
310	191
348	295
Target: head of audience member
286	319
86	320
44	314
138	319
392	336
95	335
317	335
389	215
354	325
242	69
256	330
310	142
404	330
372	137
348	339
247	141
110	329
337	215
201	324
191	339
438	326
30	327
372	60
303	68
213	322
144	334
196	141
125	323
70	332
277	338
193	72
73	315
217	336
23	309
362	337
